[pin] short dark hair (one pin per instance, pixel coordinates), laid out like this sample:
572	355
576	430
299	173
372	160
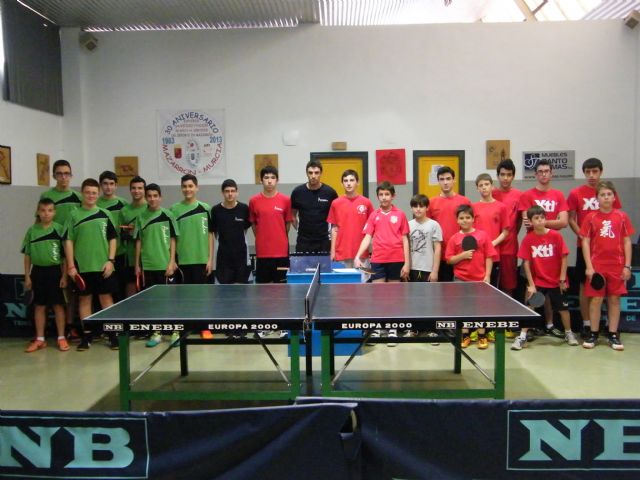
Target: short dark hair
535	210
386	186
153	187
89	182
187	177
483	176
464	209
506	164
60	163
419	200
229	182
606	185
268	169
137	179
543	161
46	201
444	170
313	163
592	163
108	175
348	172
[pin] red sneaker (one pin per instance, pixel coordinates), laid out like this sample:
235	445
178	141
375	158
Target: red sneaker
35	345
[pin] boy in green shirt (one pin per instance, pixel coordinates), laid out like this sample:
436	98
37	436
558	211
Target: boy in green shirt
90	248
195	244
44	273
64	199
127	220
155	233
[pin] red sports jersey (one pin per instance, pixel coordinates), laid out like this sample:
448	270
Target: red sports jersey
269	215
583	200
387	230
443	211
551	201
511	200
349	215
471	270
606	232
544	253
491	218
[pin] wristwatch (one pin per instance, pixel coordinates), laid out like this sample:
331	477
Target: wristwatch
112	260
628	266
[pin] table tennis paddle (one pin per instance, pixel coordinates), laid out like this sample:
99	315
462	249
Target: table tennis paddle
469	242
79	281
597	281
27	297
139	281
175	279
367	270
536	300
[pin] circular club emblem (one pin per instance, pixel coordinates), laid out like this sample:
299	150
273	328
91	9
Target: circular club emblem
394	219
362	209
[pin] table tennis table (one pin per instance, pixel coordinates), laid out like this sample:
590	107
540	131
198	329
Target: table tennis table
445	307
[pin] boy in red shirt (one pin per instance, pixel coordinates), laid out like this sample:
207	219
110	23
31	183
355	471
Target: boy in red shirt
582	201
348	215
389	229
470	265
606	246
443	210
544	254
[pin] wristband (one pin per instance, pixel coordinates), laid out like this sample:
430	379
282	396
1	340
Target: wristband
628	267
112	260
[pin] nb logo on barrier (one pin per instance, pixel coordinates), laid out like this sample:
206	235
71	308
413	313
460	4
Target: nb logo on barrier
445	325
84	447
113	327
573	440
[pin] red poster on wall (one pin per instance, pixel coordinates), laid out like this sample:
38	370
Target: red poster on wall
391	166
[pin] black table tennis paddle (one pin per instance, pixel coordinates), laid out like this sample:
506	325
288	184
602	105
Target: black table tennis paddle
536	300
597	281
469	242
27	297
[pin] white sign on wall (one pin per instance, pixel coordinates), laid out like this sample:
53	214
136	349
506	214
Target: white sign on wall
562	162
191	141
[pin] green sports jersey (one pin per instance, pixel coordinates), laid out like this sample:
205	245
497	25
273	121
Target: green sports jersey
155	229
128	216
114	205
194	224
66	202
90	232
44	245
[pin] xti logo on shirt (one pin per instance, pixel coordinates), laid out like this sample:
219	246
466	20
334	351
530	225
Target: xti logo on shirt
542	251
590	204
547	205
606	231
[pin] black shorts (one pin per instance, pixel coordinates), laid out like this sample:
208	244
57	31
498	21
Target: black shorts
98	285
267	270
389	271
46	285
227	274
321	246
581	267
194	274
419	276
445	274
155	277
559	302
495	274
129	274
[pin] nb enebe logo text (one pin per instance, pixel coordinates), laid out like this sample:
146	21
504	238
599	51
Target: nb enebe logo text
598	439
85	447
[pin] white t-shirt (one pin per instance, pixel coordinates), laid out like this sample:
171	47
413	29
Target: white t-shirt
421	240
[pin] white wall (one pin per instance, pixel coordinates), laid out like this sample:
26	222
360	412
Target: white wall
570	85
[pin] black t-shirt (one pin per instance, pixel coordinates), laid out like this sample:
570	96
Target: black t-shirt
230	225
313	208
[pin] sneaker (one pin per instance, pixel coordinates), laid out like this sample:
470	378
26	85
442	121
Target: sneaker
570	338
433	335
263	333
491	335
614	342
508	333
84	345
483	343
154	340
553	331
466	341
531	334
206	335
585	332
73	334
175	339
113	342
63	346
519	343
591	341
35	345
283	334
374	334
393	333
409	334
474	336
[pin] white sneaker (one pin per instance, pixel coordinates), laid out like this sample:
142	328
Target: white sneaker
433	335
374	334
284	334
263	333
519	343
175	339
393	333
409	334
571	339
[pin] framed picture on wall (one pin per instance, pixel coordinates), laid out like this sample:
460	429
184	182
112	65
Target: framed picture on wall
427	162
5	165
335	163
42	169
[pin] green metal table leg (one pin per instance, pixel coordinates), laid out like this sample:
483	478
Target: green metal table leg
499	374
325	354
125	371
295	363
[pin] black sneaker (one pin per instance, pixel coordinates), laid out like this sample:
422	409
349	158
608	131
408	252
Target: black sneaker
113	342
85	344
586	331
590	342
554	332
614	342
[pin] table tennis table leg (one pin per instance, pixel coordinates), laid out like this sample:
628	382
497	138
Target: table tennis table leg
184	362
325	355
125	371
308	351
332	352
499	375
295	363
457	354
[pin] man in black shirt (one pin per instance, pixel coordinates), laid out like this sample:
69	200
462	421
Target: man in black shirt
310	203
230	221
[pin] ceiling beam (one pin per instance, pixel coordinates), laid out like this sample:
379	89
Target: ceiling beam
526	11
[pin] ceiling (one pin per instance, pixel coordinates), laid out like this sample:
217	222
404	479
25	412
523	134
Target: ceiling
123	15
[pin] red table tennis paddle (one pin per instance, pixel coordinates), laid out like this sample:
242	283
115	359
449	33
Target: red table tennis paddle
139	281
79	281
597	281
469	242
